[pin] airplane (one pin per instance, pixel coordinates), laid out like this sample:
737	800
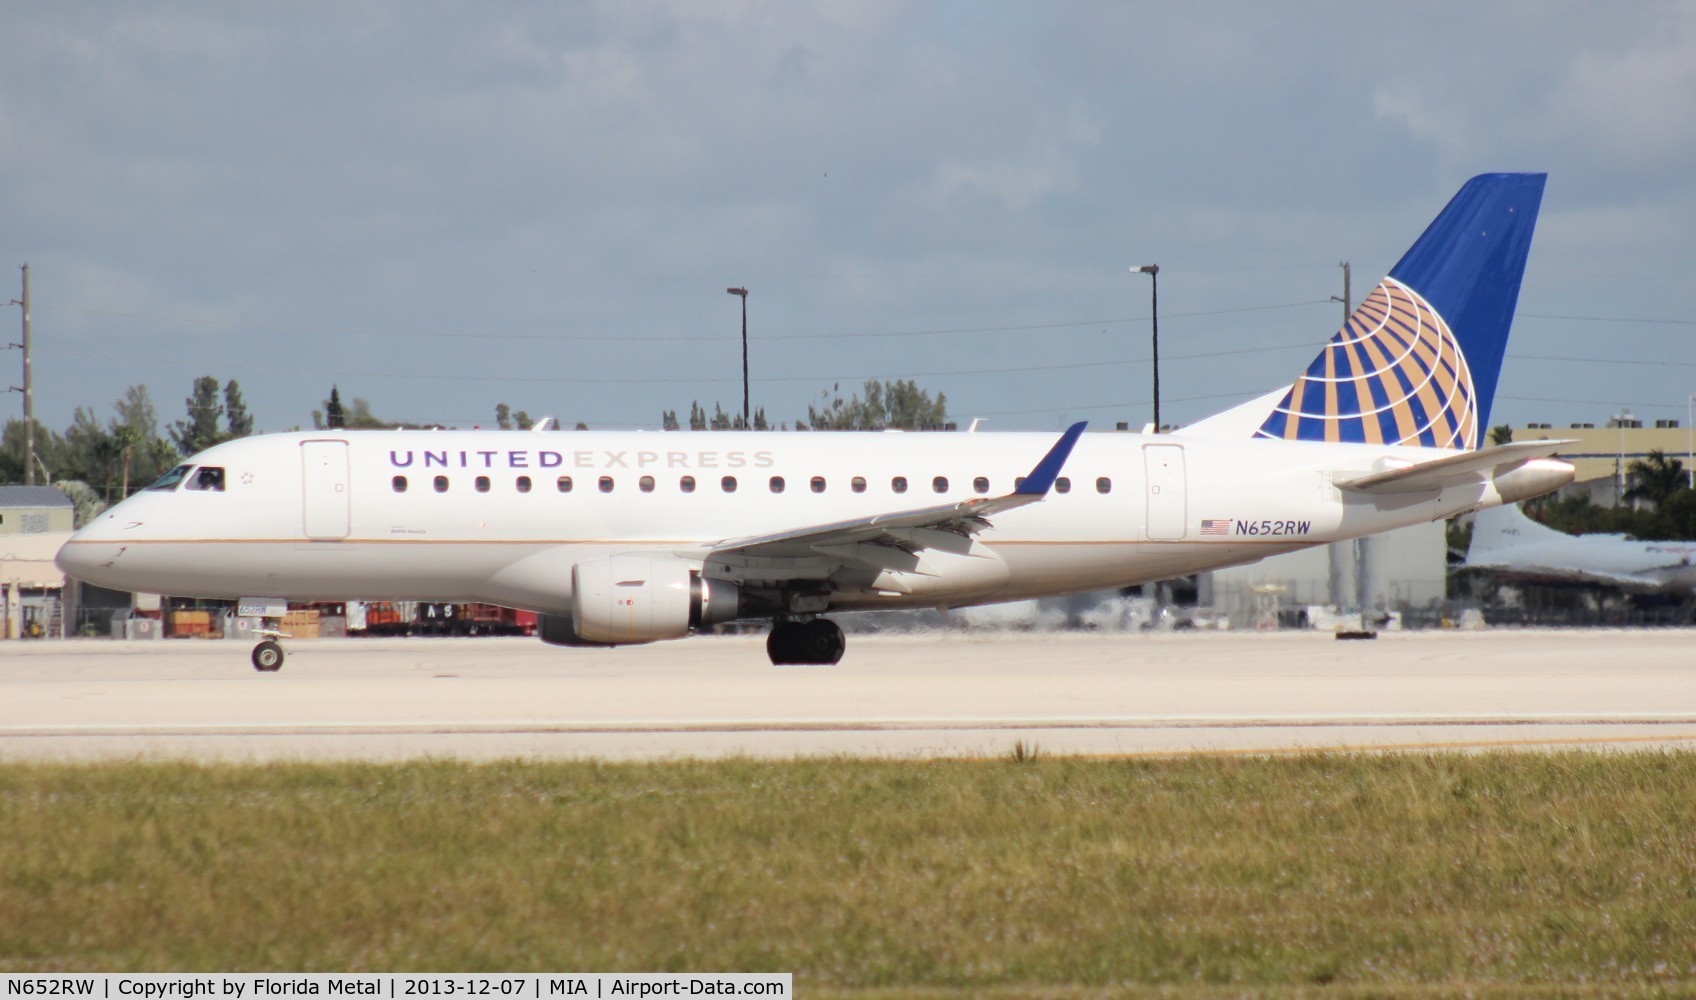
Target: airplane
1506	541
629	537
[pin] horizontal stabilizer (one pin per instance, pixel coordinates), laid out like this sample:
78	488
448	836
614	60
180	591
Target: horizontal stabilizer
1453	470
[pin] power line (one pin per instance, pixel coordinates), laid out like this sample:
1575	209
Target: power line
606	380
1611	319
658	338
1601	361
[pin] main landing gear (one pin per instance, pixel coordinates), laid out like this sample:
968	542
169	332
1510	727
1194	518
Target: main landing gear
817	642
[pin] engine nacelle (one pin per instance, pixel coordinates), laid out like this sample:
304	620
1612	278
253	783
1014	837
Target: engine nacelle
560	630
634	598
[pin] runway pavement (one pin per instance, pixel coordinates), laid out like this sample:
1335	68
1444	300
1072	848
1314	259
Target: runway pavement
900	696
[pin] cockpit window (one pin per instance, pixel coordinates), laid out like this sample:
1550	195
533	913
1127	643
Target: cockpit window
207	477
170	480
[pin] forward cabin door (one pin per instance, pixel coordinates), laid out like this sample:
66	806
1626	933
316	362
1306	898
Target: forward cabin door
1168	505
325	500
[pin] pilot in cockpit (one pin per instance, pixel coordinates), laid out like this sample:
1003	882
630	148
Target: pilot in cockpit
208	478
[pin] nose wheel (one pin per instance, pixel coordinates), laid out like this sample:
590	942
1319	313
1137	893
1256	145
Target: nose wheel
811	643
268	655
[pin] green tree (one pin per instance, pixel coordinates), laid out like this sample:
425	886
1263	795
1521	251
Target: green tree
1501	434
236	417
697	417
200	431
879	405
522	419
503	416
89	454
668	420
144	456
1654	478
84	497
335	417
49	452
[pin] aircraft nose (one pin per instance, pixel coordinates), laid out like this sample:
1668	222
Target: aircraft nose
90	554
75	558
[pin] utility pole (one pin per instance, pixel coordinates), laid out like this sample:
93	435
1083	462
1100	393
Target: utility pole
1153	272
1347	300
743	294
29	395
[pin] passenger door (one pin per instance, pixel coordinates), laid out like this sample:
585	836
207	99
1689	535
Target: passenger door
1168	509
325	501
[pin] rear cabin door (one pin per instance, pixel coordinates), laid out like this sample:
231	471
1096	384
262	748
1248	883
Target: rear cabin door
1168	512
325	500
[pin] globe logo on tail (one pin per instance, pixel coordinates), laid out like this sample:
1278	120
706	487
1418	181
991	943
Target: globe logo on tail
1393	374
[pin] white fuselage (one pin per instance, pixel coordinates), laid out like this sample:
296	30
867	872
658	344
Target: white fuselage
486	515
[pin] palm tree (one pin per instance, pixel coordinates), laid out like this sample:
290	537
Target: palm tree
1655	477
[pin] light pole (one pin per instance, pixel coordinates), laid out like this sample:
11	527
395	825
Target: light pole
743	294
1623	419
1690	440
1153	272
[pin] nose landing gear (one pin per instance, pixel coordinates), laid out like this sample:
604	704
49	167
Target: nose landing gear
818	642
268	656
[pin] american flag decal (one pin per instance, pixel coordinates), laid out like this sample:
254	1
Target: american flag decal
1215	525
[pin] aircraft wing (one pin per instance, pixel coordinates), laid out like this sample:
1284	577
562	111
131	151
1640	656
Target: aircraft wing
1543	573
890	540
1451	470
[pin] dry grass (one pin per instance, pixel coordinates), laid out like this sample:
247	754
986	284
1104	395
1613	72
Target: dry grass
1514	875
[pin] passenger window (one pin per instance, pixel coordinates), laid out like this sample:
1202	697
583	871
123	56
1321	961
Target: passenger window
645	484
399	483
482	484
939	484
728	483
563	484
523	484
981	484
857	484
606	484
441	484
686	484
898	484
171	480
817	484
1104	485
777	484
1062	485
209	478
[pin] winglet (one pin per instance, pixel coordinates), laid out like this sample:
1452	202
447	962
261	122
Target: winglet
1042	477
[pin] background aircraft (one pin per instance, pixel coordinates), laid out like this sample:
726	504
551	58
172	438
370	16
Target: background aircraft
1507	542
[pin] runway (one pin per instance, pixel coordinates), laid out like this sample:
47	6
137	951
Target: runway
897	696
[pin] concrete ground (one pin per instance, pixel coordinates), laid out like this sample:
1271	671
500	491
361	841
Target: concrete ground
900	696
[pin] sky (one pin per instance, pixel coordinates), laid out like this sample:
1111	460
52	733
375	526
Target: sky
442	207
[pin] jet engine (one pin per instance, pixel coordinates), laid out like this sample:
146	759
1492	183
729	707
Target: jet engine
636	598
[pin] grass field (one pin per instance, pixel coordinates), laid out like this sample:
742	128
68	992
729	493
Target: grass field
1516	875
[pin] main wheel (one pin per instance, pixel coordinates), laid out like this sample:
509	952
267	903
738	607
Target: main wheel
822	642
267	656
815	643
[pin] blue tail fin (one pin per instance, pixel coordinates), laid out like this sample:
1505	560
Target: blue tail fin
1418	360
